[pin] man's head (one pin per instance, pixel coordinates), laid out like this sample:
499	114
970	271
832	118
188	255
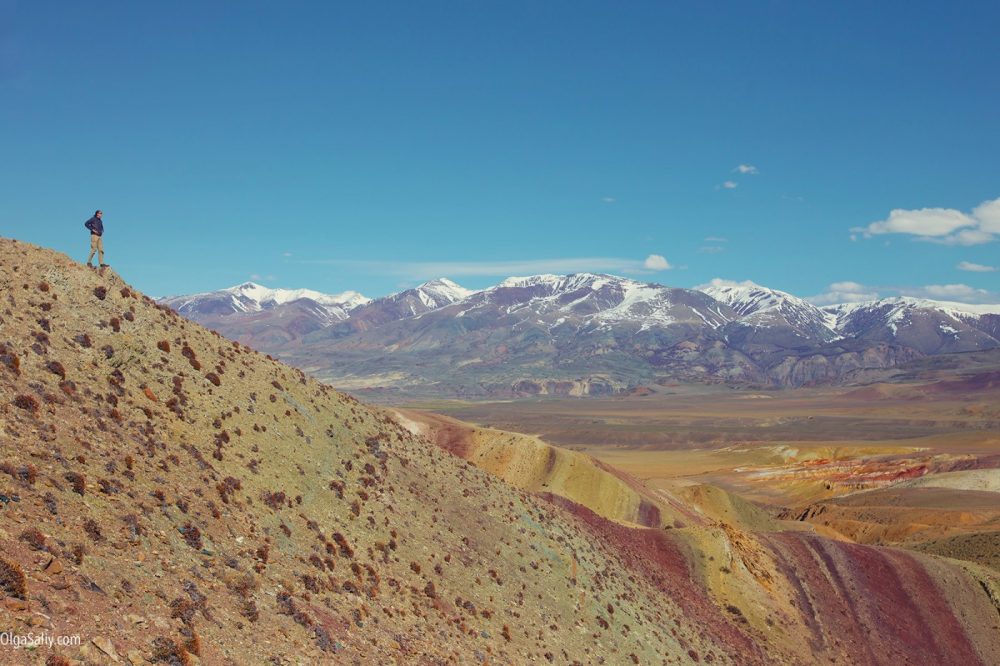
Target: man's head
98	213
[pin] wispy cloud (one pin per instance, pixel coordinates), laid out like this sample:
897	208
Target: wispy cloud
729	185
716	239
723	282
853	292
711	249
975	268
946	226
844	292
950	292
609	200
747	169
426	270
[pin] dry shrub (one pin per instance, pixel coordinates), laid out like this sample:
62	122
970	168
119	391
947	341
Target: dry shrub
227	487
192	536
214	378
12	580
56	368
27	473
168	652
10	360
275	500
343	545
192	641
78	481
93	530
26	402
101	293
163	346
34	538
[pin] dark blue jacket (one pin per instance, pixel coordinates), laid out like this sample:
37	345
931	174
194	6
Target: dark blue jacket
95	225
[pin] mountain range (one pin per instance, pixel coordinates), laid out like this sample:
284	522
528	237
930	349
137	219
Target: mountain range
585	334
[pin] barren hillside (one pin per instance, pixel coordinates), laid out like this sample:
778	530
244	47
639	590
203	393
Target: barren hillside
174	497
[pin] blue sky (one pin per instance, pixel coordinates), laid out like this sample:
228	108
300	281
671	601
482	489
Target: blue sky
372	145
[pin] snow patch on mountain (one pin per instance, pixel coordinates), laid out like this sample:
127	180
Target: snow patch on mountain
251	297
438	293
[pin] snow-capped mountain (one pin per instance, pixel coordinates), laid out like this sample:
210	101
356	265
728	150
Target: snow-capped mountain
251	297
931	327
441	292
405	304
599	332
266	318
764	314
598	301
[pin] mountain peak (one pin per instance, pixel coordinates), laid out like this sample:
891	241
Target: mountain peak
441	292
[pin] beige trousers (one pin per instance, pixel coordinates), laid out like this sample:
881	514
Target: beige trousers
96	245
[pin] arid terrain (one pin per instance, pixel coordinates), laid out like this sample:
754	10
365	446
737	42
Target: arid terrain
913	464
174	497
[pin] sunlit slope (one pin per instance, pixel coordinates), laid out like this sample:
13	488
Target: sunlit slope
777	579
178	494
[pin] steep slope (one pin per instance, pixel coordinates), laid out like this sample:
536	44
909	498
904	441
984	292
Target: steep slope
178	493
171	493
531	464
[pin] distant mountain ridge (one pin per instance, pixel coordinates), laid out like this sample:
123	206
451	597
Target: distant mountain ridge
585	333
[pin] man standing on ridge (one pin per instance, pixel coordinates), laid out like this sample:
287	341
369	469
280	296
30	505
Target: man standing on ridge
96	241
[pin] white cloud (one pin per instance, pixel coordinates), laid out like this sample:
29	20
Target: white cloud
967	237
988	214
940	225
854	292
609	200
929	222
722	282
656	262
975	268
948	292
427	270
747	169
716	239
730	185
844	292
286	254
